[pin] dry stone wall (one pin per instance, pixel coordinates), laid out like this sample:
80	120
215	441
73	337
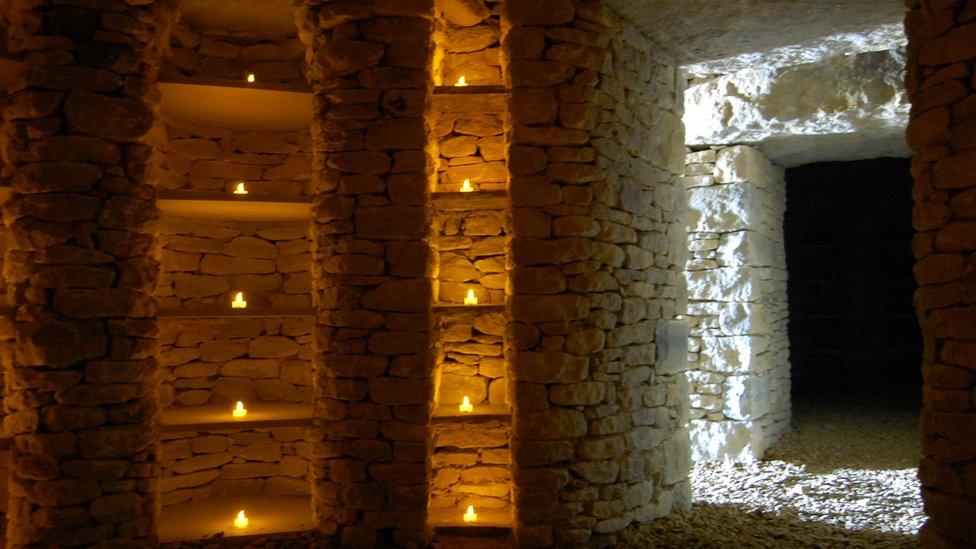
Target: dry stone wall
369	64
942	130
600	399
80	270
197	158
737	309
234	463
213	54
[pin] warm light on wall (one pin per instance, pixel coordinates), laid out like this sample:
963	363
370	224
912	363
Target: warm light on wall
469	515
466	405
471	299
238	302
461	82
466	186
241	520
239	410
250	78
240	188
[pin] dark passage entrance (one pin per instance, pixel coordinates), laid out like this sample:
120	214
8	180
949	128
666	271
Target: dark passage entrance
852	325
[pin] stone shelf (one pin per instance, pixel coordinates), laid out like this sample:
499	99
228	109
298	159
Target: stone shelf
468	90
250	312
213	417
457	307
237	105
476	200
253	206
452	518
214	517
450	413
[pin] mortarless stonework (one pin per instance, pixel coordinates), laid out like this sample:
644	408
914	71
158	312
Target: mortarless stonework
82	408
737	311
369	65
942	130
597	254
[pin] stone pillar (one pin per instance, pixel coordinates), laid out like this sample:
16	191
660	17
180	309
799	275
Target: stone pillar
600	402
942	130
737	305
370	69
80	271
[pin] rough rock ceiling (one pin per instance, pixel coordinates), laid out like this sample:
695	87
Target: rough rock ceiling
272	19
717	36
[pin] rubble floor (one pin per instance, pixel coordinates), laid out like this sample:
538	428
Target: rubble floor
845	476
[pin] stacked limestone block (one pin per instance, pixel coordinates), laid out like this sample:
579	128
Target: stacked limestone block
940	82
471	465
469	130
221	361
600	419
369	66
737	307
79	267
469	42
231	463
213	159
210	53
204	264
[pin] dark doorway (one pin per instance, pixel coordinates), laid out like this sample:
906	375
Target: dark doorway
852	325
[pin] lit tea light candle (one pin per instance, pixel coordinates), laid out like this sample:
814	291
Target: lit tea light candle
240	188
471	299
241	520
466	186
461	82
250	78
239	410
239	302
469	515
466	405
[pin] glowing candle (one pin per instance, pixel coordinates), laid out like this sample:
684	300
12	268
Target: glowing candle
250	78
469	515
238	302
466	405
240	189
466	186
239	410
461	82
471	299
241	520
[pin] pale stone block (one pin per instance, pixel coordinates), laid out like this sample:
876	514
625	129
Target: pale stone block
719	440
743	163
723	208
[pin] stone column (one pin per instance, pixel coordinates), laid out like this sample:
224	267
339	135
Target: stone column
740	370
600	410
942	130
79	268
370	69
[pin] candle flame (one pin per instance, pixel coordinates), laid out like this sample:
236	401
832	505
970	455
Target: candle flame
465	405
241	521
239	302
466	186
240	189
470	515
461	82
239	410
250	78
471	299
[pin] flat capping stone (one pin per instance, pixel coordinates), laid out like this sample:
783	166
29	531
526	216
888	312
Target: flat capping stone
491	522
448	413
251	196
242	83
213	517
475	200
249	312
459	307
469	90
211	417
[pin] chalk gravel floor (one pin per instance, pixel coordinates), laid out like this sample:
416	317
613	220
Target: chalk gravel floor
844	477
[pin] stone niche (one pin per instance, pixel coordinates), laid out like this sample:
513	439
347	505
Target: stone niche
231	56
736	274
